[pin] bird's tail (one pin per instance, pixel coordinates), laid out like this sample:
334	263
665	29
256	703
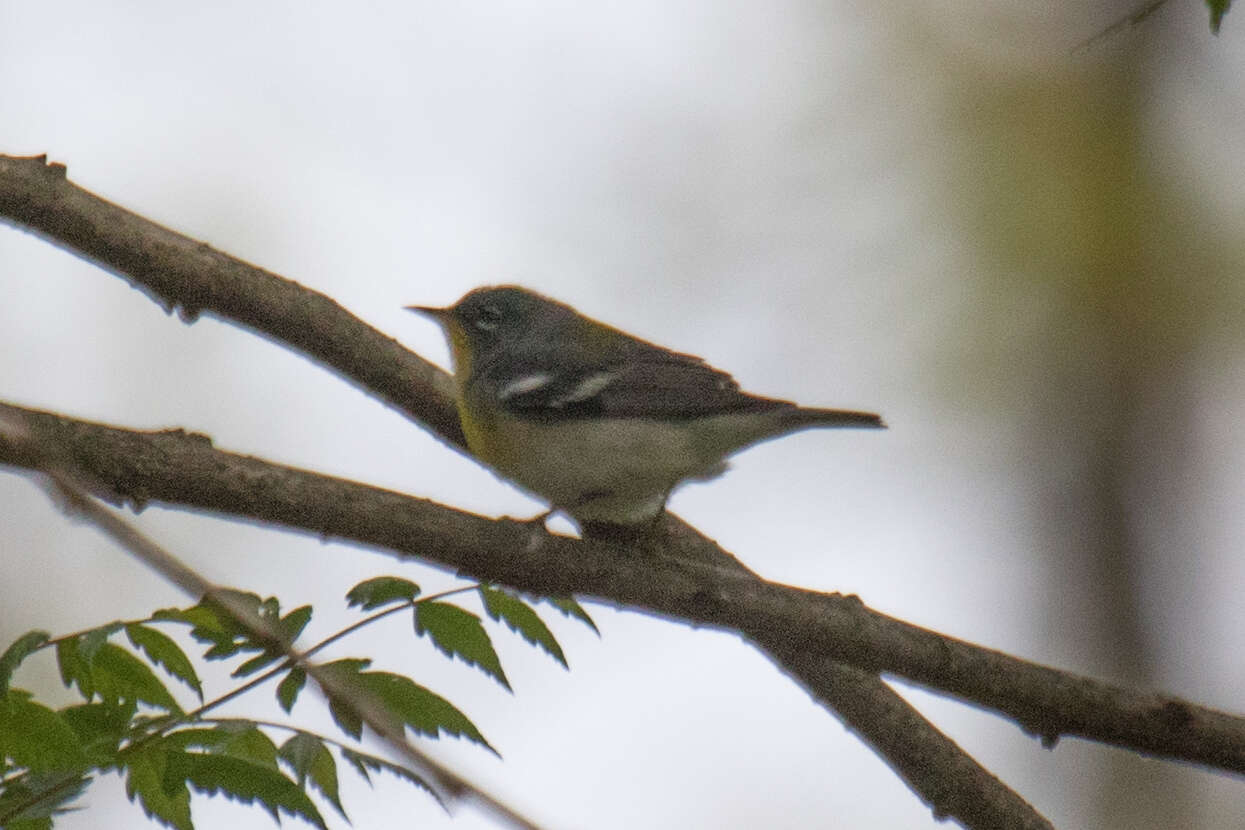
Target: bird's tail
801	417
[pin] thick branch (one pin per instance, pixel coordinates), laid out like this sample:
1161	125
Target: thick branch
184	469
181	273
191	278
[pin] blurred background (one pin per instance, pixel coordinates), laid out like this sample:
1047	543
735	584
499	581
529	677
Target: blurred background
1027	255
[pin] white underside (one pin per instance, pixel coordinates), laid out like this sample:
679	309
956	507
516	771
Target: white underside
618	470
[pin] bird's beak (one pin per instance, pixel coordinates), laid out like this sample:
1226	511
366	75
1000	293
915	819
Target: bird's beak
441	315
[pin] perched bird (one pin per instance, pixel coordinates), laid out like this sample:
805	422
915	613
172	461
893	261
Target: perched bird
601	424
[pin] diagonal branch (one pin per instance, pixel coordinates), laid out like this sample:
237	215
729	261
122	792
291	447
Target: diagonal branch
190	277
180	273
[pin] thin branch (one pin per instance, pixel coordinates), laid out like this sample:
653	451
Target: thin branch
181	273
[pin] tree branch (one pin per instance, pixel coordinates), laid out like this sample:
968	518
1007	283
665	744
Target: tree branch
448	785
182	274
183	469
190	277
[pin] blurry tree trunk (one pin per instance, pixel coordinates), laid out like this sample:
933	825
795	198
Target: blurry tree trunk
1086	267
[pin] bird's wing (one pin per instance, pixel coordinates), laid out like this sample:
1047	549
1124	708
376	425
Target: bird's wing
643	381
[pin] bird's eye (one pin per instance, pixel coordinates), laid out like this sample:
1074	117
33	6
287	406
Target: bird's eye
488	318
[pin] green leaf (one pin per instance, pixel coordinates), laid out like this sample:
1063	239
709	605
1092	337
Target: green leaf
186	616
424	711
238	738
162	797
345	674
73	668
346	718
287	630
165	653
244	781
519	617
363	762
309	758
198	737
289	687
347	667
244	740
216	627
355	760
258	662
35	737
298	753
1218	8
208	616
381	590
100	728
293	623
457	632
21	648
119	675
404	700
91	642
571	608
213	623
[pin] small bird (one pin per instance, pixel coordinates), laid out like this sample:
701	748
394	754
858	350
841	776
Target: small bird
600	424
